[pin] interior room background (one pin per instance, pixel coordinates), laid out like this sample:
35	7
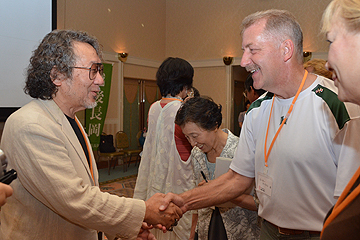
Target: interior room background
201	31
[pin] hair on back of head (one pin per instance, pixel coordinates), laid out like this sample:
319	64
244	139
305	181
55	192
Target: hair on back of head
173	75
318	67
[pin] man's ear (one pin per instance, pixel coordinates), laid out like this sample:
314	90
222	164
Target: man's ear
288	49
56	76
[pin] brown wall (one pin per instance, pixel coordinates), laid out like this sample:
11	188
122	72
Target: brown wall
136	27
193	30
208	29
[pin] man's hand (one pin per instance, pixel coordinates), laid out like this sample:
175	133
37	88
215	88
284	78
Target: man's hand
144	233
228	186
166	217
173	198
5	192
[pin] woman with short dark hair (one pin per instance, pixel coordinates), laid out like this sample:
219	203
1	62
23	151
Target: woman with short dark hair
200	120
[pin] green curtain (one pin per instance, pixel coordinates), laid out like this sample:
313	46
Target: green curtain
95	117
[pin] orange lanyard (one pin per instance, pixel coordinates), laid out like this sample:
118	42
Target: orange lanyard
88	149
344	200
173	99
267	153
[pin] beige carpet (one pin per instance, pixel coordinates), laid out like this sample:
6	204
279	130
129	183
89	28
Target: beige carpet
123	187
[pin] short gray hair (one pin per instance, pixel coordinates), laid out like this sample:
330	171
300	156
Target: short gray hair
281	25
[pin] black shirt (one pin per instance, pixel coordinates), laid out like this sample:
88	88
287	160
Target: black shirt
79	136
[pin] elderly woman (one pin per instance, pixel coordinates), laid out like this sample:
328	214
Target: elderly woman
165	164
341	23
200	119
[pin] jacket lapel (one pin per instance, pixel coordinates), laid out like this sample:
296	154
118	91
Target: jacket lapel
61	119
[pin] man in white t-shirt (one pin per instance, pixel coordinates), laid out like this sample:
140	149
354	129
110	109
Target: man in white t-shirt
297	142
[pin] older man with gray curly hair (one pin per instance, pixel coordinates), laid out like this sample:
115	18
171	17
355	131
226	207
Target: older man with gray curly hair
57	195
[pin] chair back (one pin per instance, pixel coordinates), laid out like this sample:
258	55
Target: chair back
122	140
138	136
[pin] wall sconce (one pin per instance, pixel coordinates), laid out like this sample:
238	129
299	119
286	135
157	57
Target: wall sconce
122	56
228	60
307	56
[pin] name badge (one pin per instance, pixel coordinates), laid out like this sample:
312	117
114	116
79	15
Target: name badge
264	184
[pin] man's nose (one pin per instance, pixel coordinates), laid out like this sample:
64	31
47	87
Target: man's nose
245	59
99	79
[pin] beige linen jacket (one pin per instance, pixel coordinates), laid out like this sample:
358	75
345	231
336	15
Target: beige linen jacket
54	195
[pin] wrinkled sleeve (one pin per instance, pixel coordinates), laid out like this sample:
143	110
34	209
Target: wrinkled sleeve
47	172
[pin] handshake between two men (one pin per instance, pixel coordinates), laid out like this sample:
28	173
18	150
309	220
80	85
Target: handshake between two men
162	213
164	210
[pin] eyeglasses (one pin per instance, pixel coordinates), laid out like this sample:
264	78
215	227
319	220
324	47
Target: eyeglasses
94	69
190	92
245	94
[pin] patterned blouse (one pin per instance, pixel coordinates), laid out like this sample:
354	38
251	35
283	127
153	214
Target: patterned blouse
239	223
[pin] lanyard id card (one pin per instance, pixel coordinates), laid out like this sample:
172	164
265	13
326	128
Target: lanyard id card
264	184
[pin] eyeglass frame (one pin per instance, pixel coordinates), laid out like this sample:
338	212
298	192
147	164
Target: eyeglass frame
245	93
190	92
99	69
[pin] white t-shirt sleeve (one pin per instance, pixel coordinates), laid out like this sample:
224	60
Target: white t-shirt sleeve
244	158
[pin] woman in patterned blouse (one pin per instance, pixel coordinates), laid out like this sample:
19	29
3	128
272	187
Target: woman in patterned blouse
200	119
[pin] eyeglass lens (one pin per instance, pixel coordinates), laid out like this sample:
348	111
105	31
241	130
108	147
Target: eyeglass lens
94	69
190	93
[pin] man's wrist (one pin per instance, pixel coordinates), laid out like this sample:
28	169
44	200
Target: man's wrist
185	196
256	200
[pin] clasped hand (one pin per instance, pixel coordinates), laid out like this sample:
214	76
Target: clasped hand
161	212
172	198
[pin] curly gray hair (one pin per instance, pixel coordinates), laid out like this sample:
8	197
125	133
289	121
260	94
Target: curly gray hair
55	50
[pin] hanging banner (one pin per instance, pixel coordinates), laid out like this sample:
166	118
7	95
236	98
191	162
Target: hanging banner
95	117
